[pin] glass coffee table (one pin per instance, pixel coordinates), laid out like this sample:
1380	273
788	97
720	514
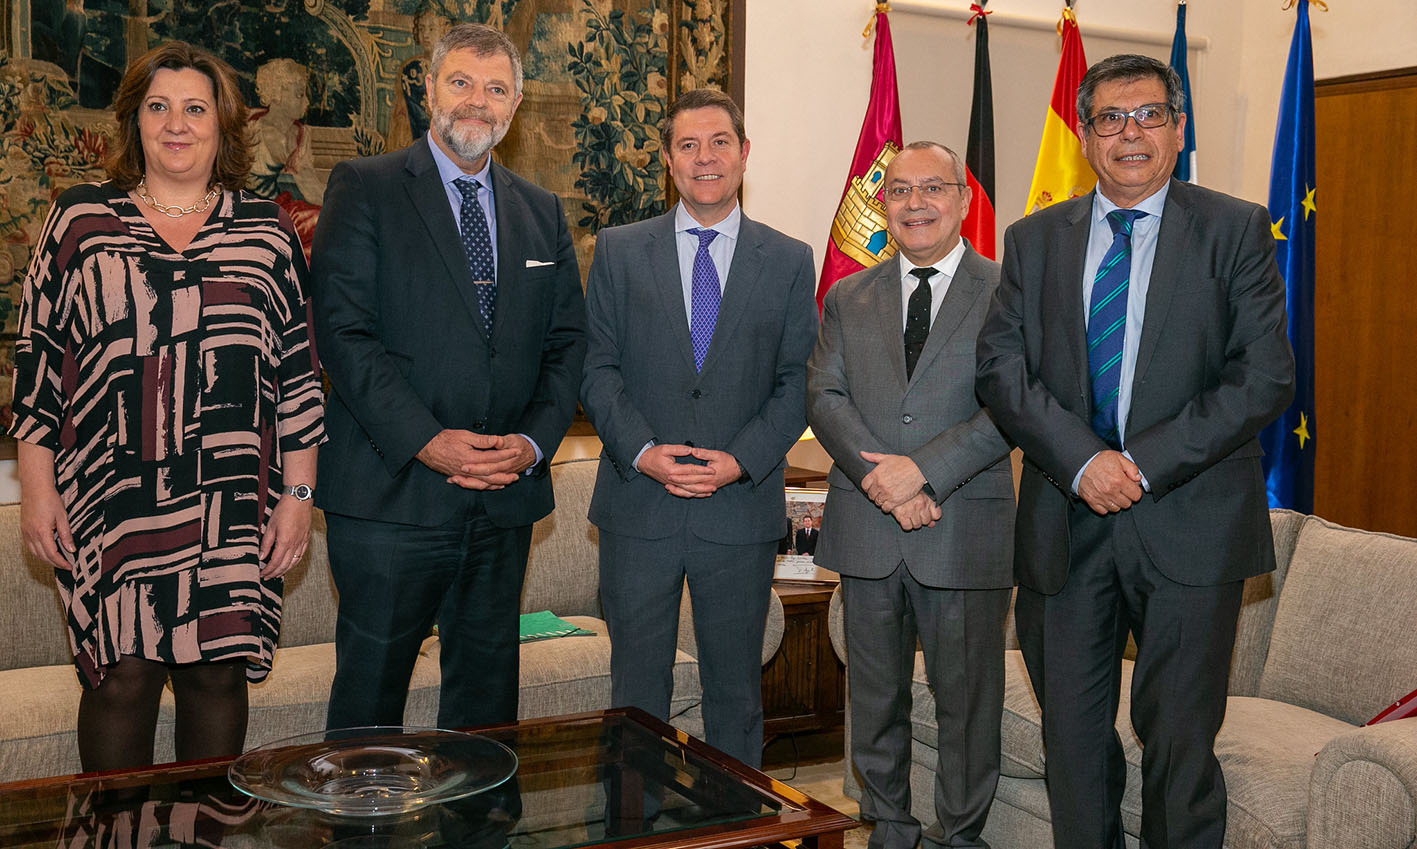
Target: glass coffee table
617	777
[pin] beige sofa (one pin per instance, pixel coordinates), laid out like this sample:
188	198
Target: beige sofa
1324	643
41	693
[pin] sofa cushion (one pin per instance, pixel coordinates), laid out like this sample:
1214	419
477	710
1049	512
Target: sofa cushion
572	674
1343	642
309	603
563	570
37	724
1261	597
32	629
1266	750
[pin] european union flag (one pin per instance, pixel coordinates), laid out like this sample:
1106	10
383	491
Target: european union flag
1289	441
1185	170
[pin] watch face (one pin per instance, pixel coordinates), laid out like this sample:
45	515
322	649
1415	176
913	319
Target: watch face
301	491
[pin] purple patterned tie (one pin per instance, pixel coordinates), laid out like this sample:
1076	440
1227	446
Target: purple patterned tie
705	297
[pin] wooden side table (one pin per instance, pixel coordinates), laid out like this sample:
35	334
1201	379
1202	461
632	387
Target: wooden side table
804	685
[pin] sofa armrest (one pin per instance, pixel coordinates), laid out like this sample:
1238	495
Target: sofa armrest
836	625
772	632
1363	792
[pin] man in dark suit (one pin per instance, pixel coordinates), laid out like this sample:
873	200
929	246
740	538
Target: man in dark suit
700	322
1134	350
919	514
449	317
806	539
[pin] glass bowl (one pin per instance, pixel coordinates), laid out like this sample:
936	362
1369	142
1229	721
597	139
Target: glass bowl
372	771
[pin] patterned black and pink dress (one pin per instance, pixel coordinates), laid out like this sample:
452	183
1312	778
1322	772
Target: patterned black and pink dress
169	385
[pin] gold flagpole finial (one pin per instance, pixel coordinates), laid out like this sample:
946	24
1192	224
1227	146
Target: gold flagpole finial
881	8
1067	16
1289	4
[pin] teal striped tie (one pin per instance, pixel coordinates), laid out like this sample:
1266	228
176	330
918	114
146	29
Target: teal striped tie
1107	325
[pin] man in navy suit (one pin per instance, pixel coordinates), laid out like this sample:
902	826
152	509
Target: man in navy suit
1134	350
449	317
700	323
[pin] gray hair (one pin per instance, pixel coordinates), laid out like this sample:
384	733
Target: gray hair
482	40
1127	67
960	173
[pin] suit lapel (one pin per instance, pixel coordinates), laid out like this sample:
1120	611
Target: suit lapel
1064	298
884	292
662	260
964	291
738	290
1176	225
510	212
430	199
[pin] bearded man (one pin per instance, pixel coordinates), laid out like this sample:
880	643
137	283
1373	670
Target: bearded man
450	320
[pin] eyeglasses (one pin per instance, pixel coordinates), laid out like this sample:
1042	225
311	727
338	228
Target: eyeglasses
1110	123
899	194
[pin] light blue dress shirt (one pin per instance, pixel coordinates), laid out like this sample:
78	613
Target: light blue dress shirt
720	249
1144	235
448	171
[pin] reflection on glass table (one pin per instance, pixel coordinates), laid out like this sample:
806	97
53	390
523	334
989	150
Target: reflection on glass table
585	780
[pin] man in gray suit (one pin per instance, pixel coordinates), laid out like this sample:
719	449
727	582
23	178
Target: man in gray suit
919	517
700	323
1135	349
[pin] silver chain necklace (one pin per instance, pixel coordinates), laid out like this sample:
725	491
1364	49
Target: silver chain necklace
176	211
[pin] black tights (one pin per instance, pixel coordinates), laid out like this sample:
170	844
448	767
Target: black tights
118	719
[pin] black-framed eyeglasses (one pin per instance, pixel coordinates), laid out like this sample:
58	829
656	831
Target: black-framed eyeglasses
927	191
1149	116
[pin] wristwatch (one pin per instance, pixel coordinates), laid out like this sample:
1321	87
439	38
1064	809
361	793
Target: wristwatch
301	491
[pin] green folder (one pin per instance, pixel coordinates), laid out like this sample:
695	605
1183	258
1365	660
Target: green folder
545	625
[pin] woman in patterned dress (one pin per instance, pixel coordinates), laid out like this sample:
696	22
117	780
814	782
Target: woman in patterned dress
168	410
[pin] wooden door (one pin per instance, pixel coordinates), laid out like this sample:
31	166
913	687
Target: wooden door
1365	303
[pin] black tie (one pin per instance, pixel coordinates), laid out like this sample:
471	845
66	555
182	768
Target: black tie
917	319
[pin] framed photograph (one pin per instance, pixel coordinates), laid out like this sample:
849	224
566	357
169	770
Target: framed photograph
801	529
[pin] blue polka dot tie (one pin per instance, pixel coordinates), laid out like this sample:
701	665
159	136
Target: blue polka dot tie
1107	325
477	243
704	298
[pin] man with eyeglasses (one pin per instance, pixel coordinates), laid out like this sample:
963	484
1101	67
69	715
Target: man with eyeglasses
919	516
1134	350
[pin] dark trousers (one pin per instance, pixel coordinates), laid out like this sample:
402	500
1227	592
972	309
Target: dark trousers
1072	643
396	581
641	584
961	633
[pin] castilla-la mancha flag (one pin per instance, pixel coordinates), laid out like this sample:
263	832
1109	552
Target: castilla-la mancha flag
1062	171
858	233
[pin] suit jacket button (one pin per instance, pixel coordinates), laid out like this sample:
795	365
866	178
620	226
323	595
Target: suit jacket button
907	418
479	424
696	394
492	351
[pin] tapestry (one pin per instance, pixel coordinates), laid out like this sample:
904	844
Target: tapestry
327	80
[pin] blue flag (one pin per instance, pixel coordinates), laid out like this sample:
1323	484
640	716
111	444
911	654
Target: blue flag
1289	441
1185	170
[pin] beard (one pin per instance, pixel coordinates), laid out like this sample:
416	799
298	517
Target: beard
469	142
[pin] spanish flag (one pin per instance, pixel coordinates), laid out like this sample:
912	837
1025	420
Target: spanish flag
1062	172
858	233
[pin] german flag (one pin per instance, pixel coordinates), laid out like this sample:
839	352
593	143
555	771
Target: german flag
978	225
1062	172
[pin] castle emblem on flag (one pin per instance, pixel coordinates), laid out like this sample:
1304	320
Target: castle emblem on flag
859	230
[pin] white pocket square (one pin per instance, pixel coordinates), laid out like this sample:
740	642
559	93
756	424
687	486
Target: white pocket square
536	263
